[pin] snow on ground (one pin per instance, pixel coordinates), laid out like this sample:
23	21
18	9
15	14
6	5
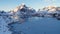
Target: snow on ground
3	26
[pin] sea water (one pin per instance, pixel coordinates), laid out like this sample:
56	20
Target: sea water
37	25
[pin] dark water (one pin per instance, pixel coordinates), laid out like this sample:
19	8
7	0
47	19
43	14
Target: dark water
37	25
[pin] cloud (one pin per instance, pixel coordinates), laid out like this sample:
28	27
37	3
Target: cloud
47	0
50	0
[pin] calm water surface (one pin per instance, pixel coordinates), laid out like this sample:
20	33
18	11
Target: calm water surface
38	25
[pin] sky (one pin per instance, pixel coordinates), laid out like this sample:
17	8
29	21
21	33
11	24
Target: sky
7	5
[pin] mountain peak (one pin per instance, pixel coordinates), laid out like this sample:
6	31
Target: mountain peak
20	7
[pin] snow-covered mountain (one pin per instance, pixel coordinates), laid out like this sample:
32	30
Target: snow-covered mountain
52	9
22	13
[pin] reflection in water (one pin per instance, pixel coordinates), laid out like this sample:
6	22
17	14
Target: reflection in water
36	25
